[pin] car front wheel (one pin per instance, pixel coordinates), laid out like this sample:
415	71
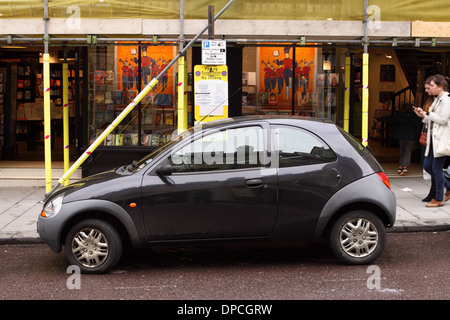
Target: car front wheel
93	245
358	237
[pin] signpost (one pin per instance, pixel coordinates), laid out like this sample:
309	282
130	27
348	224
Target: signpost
211	92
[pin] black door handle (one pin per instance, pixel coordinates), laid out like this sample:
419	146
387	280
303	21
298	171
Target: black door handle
254	183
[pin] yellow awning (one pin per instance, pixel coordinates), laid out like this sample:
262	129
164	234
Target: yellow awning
352	10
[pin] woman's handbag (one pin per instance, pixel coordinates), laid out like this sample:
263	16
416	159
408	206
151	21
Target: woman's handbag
423	138
443	146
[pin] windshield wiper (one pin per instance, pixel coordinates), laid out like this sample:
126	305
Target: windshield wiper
133	165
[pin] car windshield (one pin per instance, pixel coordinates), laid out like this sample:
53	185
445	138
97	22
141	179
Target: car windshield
140	164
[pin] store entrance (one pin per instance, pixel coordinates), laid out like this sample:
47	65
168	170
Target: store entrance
21	103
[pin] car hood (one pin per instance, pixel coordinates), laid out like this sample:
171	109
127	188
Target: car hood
99	186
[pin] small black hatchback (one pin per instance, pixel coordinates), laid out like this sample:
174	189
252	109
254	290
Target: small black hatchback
246	178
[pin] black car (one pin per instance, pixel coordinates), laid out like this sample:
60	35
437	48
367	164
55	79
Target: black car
245	178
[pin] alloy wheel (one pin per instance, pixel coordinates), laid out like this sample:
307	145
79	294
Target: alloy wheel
90	247
359	237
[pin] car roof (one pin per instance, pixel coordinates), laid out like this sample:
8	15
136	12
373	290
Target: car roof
285	119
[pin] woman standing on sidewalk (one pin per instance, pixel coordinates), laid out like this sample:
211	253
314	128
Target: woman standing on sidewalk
436	118
426	105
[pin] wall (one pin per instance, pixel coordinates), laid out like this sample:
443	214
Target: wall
378	57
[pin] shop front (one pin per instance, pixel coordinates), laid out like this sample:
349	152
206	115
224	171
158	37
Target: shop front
264	79
279	63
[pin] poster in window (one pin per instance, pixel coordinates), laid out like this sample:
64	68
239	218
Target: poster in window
273	99
333	79
154	59
99	76
109	77
279	74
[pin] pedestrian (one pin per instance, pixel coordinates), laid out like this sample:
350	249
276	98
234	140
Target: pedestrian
436	119
426	105
405	128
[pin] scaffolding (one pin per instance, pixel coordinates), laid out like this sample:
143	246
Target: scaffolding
324	10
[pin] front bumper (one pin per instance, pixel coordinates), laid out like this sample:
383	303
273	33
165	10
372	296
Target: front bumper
45	228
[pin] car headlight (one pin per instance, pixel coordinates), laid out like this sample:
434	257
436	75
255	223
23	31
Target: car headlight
52	207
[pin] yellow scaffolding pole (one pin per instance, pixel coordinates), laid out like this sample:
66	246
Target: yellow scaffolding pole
107	131
182	95
347	93
65	75
47	124
365	100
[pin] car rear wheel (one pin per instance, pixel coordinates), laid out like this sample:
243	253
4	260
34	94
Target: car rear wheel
358	237
93	245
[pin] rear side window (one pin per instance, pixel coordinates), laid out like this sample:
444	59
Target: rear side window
355	143
298	147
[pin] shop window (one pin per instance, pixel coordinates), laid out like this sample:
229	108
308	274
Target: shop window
116	76
304	81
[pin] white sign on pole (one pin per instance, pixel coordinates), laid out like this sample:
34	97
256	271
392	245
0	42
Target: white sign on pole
211	92
214	52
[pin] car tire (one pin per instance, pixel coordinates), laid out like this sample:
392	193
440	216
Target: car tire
95	246
358	237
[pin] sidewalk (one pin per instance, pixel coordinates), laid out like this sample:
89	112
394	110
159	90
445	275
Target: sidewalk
20	208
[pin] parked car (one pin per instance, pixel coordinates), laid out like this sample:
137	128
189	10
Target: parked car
246	178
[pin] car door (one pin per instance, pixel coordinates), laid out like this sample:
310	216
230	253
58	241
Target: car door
307	178
220	187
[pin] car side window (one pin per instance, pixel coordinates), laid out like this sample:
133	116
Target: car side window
298	147
234	148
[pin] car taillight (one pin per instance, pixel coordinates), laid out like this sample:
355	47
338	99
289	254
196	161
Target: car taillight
384	178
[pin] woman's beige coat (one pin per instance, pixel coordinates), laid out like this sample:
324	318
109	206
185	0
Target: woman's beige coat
439	118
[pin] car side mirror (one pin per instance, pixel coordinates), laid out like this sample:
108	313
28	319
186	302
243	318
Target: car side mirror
164	170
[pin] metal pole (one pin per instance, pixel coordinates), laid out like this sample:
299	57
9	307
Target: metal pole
365	81
347	91
210	22
256	42
182	79
293	82
46	18
65	83
47	113
130	107
366	27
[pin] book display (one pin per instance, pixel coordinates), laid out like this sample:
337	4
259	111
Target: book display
30	99
25	84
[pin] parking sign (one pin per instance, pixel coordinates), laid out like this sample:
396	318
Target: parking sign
214	52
